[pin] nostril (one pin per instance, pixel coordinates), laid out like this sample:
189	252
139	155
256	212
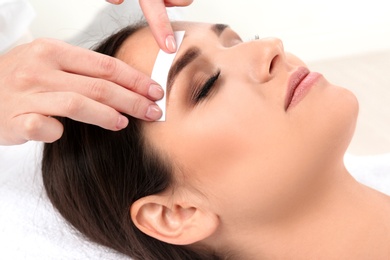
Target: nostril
272	65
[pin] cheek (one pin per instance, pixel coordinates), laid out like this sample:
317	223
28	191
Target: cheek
236	128
330	118
233	151
225	130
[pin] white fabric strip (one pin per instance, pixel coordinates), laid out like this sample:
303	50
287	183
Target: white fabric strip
161	69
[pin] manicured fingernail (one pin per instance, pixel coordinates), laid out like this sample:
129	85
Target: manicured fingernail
115	2
122	122
170	43
156	92
153	112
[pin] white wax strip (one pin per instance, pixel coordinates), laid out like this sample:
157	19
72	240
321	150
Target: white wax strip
161	69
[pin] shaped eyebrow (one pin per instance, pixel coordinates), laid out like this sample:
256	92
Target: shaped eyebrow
189	56
219	28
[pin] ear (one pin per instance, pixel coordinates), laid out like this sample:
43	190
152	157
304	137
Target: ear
174	223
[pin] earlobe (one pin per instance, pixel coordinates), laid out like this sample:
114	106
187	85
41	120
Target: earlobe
174	223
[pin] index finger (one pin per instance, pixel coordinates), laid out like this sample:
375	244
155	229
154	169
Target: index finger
89	63
115	2
157	17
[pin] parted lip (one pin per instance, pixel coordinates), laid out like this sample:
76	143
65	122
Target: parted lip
294	81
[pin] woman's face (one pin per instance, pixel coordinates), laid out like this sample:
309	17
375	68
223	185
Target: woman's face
230	129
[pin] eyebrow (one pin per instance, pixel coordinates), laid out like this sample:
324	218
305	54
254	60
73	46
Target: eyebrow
189	56
219	28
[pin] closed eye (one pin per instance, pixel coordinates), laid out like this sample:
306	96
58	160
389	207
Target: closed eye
206	88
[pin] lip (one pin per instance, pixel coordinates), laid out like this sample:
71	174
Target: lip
299	85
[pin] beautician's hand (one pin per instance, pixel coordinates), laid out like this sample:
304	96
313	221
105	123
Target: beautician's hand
51	78
156	15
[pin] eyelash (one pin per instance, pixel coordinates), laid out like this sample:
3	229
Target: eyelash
205	89
207	86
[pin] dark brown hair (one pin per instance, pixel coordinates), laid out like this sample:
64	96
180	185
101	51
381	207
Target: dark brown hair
92	176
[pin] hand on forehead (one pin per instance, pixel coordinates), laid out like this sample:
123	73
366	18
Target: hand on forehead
140	49
133	52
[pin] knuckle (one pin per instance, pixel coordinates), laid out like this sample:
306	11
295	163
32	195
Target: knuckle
138	82
32	127
163	20
36	56
24	76
73	105
136	107
107	66
98	90
42	47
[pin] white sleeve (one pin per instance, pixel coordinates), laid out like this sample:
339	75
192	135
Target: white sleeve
15	19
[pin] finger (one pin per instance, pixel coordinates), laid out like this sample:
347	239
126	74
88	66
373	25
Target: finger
170	3
85	62
157	17
115	2
76	107
105	92
28	127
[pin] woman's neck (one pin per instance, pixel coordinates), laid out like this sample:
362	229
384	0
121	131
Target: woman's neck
342	220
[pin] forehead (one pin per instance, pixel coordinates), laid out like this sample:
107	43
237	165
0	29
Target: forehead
140	49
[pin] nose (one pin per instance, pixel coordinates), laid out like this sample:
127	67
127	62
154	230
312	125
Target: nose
264	58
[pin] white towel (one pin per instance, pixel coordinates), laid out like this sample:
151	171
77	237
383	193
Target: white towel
31	229
29	226
371	170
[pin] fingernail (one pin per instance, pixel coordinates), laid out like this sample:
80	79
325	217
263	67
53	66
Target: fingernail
115	2
153	112
156	92
122	122
170	43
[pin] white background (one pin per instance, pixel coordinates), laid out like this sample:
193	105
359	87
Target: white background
311	29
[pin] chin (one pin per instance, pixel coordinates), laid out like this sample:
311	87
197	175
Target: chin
342	122
351	119
332	121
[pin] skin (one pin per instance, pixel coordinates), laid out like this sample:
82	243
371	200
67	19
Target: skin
156	15
272	182
38	81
